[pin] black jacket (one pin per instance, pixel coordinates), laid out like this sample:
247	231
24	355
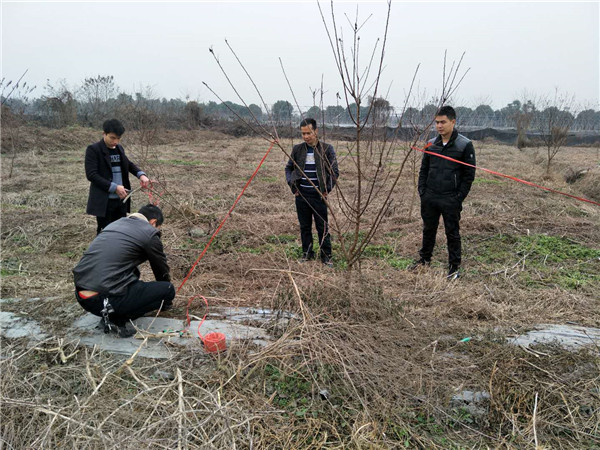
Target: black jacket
111	262
325	162
443	177
99	171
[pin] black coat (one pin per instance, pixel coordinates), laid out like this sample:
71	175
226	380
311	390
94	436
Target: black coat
325	162
99	171
111	262
443	177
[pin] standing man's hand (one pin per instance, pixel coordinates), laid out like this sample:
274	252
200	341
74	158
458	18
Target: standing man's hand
121	192
145	181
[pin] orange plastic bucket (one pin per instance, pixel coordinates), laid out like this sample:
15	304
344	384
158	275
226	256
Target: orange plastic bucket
214	342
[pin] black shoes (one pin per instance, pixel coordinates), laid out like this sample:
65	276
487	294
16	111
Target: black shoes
453	272
453	269
420	263
125	332
326	260
122	331
307	257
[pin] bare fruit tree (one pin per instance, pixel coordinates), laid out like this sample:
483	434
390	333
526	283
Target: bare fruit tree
378	155
375	157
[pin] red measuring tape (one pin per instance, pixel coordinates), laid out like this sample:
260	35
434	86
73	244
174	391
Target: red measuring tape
187	314
151	196
423	150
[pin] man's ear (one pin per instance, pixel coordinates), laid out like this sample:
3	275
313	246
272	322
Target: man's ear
153	222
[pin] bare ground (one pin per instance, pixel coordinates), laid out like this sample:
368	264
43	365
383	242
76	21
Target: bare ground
383	342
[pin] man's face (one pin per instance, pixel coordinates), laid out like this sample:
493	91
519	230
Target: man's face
111	140
309	135
444	126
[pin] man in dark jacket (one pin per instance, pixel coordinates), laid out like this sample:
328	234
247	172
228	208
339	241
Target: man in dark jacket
107	168
107	280
311	173
443	186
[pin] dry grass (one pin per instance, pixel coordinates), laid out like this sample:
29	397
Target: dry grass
384	343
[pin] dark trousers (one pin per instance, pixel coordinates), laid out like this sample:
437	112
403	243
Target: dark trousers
114	211
449	207
307	209
141	297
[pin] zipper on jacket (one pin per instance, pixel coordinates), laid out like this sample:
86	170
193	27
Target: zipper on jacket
455	182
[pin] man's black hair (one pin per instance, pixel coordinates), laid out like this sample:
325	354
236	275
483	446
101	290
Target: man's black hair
309	121
447	111
113	126
151	211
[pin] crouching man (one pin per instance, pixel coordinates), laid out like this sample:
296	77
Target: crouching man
107	280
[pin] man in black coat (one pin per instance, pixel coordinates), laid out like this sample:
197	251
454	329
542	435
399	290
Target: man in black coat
443	186
311	173
107	168
107	280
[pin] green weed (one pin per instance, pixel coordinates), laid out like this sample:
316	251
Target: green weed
555	260
269	179
12	206
292	391
181	162
399	433
378	251
486	181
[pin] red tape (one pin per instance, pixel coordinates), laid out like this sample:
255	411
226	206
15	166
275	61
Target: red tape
188	321
423	150
151	196
226	217
187	312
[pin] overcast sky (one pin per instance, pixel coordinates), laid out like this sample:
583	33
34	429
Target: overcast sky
511	48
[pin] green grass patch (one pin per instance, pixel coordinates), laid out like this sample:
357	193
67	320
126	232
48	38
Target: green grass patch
292	391
69	159
13	206
181	162
504	247
387	254
400	263
281	238
378	251
11	266
487	181
544	260
269	179
555	249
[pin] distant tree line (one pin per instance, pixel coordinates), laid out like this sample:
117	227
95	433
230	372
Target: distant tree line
98	98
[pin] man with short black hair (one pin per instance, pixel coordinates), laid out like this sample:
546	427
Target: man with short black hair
311	173
107	280
107	168
443	186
